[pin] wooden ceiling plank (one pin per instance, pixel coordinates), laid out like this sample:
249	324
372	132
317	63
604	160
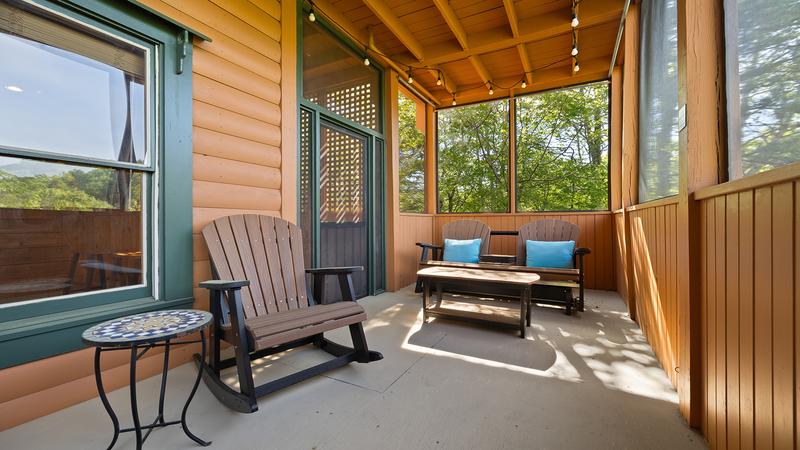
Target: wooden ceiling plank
453	22
536	28
361	35
385	14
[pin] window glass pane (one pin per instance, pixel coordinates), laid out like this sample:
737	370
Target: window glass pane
472	143
411	114
68	229
763	66
67	89
337	79
658	100
562	149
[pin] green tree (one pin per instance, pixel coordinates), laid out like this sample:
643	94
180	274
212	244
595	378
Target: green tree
412	157
473	158
562	149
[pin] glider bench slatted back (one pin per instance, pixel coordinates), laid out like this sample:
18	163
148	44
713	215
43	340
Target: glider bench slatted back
261	305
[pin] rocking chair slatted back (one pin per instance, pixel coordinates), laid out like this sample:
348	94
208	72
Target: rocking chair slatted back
545	230
468	229
265	250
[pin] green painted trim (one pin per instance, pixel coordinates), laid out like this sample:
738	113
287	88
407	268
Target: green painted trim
28	340
40	329
171	20
340	120
72	159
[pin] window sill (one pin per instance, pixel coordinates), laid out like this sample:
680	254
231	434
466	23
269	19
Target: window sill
26	340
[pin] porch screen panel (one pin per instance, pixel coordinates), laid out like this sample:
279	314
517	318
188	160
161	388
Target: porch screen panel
562	149
472	152
658	100
762	68
411	118
335	78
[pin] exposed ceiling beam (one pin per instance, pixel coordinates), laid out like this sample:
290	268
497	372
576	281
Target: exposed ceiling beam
385	14
361	35
526	62
511	12
452	22
449	85
536	28
479	67
555	77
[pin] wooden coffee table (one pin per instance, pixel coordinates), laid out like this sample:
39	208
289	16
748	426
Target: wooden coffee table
480	281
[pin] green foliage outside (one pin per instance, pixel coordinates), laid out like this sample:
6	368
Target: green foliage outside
412	157
562	149
79	190
768	58
473	158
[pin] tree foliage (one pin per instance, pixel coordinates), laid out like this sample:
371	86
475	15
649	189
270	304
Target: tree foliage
562	149
412	157
473	158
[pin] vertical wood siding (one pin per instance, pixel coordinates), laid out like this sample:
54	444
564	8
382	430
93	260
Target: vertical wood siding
749	323
596	230
412	228
652	241
236	169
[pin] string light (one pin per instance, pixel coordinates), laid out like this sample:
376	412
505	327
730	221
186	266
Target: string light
577	67
366	61
410	79
574	50
311	16
524	84
491	91
575	21
454	99
439	80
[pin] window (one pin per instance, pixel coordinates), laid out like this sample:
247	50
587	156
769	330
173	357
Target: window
87	233
562	149
472	151
762	69
658	100
411	114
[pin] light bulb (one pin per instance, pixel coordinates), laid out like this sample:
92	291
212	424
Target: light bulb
454	100
311	16
575	21
574	50
366	61
439	81
491	91
524	84
410	80
577	67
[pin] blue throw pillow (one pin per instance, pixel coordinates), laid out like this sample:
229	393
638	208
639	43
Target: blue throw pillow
466	251
552	254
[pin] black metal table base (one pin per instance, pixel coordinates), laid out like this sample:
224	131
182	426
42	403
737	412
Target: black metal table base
137	351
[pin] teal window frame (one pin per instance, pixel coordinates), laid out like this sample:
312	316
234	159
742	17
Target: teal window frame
35	330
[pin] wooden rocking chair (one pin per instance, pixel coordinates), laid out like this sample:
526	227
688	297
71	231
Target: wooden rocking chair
260	305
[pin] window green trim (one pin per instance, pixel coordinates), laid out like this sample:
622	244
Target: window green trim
40	329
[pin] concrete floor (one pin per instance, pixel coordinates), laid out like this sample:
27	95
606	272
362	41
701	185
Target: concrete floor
586	381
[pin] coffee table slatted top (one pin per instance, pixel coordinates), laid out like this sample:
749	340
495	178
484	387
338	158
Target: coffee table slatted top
469	274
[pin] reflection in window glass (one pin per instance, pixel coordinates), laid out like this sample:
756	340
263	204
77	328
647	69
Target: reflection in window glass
562	149
68	229
84	88
411	114
472	143
336	79
763	66
658	100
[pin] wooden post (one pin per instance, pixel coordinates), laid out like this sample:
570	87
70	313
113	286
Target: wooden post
392	177
701	142
512	160
615	147
430	159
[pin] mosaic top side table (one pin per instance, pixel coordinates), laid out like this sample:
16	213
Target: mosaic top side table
139	333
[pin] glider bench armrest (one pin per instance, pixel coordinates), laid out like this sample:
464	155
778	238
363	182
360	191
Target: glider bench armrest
434	250
345	275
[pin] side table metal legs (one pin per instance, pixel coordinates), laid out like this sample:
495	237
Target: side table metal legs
159	421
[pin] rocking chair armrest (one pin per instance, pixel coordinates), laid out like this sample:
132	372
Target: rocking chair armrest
223	285
334	270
